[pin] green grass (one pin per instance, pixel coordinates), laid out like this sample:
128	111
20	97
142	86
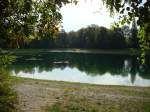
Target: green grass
83	104
54	108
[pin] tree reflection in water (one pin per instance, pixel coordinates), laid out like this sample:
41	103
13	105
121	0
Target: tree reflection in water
91	64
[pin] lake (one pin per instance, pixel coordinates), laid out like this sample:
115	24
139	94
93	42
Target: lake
83	67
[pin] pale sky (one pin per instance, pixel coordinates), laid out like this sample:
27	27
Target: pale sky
85	13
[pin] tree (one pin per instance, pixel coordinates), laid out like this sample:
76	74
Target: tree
134	32
92	37
126	31
103	38
21	20
61	40
130	9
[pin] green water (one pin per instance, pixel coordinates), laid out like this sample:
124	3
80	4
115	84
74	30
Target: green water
107	69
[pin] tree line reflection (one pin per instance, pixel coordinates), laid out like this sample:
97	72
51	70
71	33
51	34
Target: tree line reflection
91	64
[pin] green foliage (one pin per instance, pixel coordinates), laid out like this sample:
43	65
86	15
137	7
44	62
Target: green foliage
6	59
74	104
54	108
19	19
7	94
143	44
129	9
91	37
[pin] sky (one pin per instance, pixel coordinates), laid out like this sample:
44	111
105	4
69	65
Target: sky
85	13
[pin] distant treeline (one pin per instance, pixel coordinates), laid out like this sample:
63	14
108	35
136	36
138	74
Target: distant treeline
93	37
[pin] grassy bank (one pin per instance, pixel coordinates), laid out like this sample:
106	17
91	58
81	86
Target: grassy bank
54	96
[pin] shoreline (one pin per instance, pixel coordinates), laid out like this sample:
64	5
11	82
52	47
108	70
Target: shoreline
129	51
72	83
49	96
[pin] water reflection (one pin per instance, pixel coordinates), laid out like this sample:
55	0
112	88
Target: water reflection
81	67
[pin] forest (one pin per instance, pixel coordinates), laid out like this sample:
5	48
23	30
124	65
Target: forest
91	37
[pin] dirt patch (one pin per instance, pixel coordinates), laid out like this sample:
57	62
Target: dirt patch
53	96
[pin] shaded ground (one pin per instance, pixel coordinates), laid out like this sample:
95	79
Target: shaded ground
53	96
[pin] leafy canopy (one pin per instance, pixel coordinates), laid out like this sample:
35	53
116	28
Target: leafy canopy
130	9
24	19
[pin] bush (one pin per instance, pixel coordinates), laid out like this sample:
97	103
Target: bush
7	94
